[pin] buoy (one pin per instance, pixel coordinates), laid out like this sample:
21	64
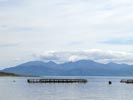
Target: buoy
14	81
110	82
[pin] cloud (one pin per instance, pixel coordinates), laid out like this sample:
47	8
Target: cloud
91	54
65	25
17	59
5	45
119	41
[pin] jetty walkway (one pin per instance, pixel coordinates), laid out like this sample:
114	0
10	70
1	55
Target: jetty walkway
127	81
56	80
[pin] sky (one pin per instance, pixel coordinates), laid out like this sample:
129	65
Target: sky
65	30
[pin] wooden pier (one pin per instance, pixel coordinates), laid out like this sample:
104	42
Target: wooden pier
127	81
56	80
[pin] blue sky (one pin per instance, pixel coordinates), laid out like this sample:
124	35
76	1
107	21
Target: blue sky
38	29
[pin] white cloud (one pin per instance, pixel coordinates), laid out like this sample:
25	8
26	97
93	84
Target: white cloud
17	59
91	54
65	25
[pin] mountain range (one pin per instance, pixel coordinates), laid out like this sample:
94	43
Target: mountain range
77	68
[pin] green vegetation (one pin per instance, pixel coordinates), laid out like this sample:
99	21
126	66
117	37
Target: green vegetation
8	74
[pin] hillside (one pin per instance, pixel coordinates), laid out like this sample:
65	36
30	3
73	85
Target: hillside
7	74
78	68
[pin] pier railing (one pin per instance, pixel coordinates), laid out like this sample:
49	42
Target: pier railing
56	80
126	81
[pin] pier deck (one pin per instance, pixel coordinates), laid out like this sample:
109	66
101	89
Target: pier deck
56	80
127	81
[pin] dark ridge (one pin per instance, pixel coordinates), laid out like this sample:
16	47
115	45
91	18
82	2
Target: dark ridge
8	74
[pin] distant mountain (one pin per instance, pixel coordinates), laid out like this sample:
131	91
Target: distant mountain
8	74
78	68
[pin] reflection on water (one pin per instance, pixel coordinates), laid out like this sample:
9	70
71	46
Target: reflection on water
97	88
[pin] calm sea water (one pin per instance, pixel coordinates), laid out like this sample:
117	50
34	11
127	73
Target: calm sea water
96	89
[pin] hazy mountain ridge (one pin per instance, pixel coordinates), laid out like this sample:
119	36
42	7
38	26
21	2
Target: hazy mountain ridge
78	68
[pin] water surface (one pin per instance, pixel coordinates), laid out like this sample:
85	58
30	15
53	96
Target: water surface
97	88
